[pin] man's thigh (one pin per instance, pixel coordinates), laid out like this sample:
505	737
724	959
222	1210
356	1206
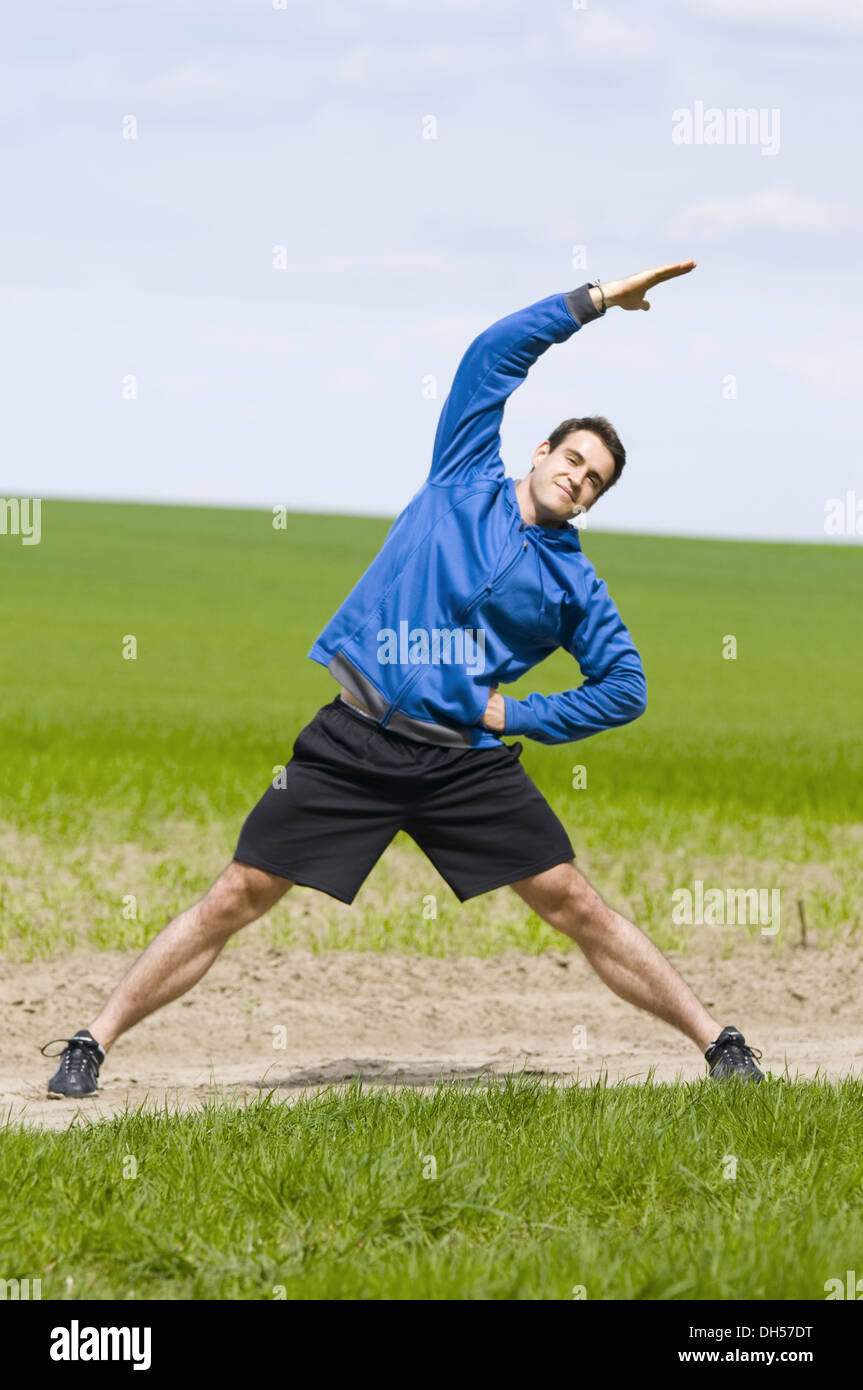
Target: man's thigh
328	817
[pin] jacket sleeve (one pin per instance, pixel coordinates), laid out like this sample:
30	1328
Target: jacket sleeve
614	691
467	442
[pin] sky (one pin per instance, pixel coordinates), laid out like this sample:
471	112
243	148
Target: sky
246	242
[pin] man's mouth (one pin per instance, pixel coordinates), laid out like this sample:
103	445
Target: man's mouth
566	492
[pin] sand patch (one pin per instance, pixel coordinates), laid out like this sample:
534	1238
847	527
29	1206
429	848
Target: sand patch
295	1020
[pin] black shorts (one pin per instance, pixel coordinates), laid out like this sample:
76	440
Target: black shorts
351	785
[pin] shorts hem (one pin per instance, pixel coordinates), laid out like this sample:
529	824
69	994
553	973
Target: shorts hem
511	877
298	882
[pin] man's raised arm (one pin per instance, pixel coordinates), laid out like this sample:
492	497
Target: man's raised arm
467	442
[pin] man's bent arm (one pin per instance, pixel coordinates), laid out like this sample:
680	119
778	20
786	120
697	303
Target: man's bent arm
614	691
467	441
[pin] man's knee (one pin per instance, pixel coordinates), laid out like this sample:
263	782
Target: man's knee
240	895
564	898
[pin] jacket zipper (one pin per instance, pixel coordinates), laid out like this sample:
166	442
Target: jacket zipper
486	588
489	585
399	695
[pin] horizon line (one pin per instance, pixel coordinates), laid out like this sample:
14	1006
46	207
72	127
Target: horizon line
235	505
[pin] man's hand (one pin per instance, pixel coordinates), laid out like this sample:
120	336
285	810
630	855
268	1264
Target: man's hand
495	712
629	293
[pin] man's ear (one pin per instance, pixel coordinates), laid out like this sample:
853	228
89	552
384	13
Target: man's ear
544	447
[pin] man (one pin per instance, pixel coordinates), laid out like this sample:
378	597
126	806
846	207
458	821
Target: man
478	580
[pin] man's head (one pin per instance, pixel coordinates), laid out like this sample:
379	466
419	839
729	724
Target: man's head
578	462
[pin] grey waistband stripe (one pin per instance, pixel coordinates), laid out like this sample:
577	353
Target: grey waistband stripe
422	730
363	713
353	681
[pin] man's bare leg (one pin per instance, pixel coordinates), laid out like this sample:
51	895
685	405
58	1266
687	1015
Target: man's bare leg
622	956
186	948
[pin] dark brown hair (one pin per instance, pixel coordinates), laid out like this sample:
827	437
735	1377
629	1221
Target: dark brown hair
598	425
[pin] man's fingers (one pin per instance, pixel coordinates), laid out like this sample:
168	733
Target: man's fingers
670	272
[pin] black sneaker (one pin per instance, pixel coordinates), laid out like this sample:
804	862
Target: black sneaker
729	1056
78	1073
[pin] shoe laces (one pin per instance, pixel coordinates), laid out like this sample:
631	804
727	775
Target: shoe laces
739	1051
77	1054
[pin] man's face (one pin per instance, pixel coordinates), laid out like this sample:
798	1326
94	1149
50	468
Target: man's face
576	472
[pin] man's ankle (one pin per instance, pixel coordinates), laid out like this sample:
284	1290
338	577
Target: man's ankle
101	1037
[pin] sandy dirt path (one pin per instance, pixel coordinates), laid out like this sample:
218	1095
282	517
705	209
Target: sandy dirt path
296	1021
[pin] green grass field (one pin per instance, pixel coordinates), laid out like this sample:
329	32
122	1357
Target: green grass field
519	1191
132	778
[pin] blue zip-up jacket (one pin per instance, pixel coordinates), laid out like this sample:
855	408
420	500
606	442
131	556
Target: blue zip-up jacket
463	595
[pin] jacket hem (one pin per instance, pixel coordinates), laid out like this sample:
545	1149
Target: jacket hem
423	730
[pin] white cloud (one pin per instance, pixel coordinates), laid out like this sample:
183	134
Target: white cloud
390	262
778	209
836	370
179	384
244	337
327	54
833	16
596	38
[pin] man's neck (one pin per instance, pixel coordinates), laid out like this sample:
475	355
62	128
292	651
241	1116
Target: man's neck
528	509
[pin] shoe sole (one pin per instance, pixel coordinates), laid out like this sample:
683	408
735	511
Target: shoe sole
80	1095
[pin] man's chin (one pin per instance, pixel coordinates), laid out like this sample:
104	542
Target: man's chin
562	509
